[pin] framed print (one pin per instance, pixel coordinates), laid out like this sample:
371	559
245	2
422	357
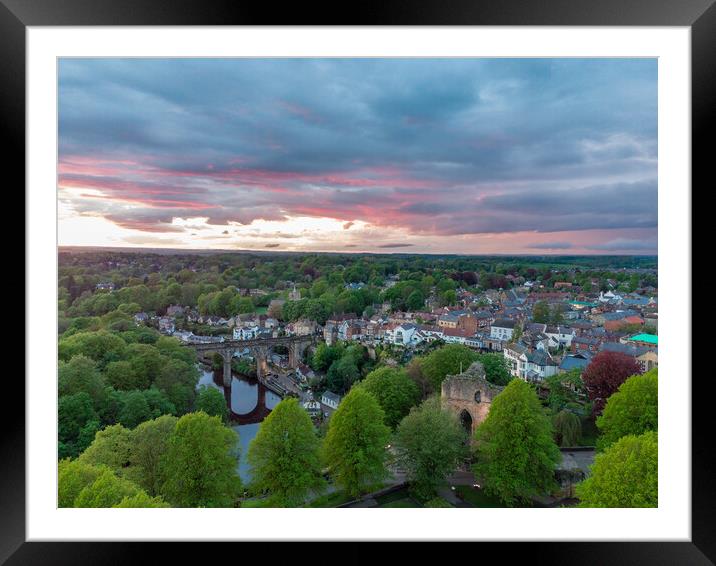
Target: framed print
410	261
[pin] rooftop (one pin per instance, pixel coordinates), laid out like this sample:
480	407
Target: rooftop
648	338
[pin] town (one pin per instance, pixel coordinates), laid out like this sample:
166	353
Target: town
318	327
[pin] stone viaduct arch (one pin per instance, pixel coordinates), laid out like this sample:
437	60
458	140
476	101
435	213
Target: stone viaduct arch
260	349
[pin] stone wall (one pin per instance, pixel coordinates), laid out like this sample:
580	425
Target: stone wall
469	392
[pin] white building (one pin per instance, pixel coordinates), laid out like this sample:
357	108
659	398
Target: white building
330	399
502	329
246	333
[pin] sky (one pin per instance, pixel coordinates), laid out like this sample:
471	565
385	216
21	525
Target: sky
459	156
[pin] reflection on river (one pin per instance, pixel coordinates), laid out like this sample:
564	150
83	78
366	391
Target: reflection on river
249	403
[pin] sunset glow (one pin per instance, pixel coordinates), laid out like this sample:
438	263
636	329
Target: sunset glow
467	156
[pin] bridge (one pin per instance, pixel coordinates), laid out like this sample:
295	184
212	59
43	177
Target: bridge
260	349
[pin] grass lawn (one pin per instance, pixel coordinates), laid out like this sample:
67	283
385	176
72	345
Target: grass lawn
477	497
261	310
329	500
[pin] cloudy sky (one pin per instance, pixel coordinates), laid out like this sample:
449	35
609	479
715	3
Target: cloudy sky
478	156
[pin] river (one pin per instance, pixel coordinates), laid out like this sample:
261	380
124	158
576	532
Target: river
243	403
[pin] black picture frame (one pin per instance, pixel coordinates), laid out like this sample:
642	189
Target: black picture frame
699	15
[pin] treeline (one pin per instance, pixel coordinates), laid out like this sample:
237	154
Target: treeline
214	283
113	371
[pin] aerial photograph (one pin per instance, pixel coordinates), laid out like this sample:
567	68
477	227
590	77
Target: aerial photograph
357	282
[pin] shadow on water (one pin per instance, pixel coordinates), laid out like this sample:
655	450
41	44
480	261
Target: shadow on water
249	402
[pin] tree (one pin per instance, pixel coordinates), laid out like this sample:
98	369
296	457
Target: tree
284	457
567	428
395	391
72	477
178	380
149	443
633	409
200	463
430	444
212	402
605	373
414	371
74	412
416	300
560	395
448	360
342	374
325	355
355	445
79	375
147	362
515	452
135	409
624	475
106	491
142	500
111	448
121	376
496	370
540	312
102	346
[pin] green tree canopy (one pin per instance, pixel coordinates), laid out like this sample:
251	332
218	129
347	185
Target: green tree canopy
395	391
633	409
121	376
624	475
430	443
142	500
79	375
72	477
74	413
212	402
200	463
496	370
448	360
111	447
515	452
355	445
106	491
149	443
135	409
285	455
567	428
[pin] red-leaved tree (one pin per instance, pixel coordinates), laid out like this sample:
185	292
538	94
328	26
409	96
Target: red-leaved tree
605	373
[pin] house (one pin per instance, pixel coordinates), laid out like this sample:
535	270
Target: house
457	335
330	400
575	361
175	310
141	317
612	325
313	408
502	329
246	332
304	372
539	366
648	360
404	335
585	343
106	286
646	340
302	327
561	335
516	358
166	325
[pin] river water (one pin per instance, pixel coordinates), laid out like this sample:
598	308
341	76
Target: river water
242	401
